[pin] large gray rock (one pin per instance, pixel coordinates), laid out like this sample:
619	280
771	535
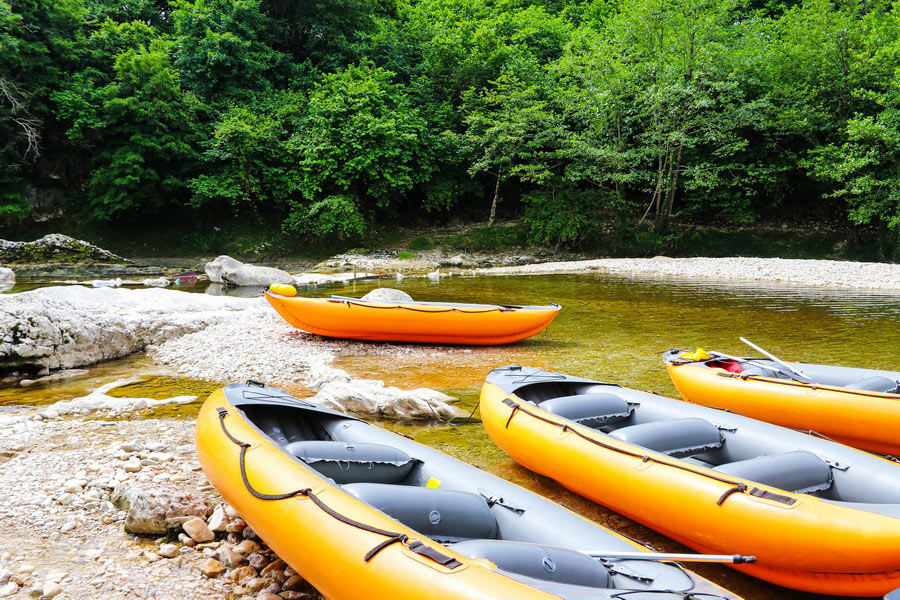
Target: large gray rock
230	271
53	248
7	279
155	512
370	397
65	327
388	295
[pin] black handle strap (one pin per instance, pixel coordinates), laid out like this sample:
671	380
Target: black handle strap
393	536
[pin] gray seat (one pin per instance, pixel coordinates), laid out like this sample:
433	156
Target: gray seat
279	426
678	437
876	383
443	515
590	410
549	563
798	471
352	463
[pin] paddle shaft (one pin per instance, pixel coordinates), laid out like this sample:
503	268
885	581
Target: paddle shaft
773	357
662	556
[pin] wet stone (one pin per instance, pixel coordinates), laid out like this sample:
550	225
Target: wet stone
277	565
231	559
168	551
242	574
198	530
268	596
296	583
212	568
257	561
247	547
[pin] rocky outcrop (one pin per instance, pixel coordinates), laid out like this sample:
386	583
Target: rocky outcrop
65	327
56	248
153	512
230	271
388	295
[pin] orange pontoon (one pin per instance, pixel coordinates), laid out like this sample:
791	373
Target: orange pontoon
426	322
859	407
819	516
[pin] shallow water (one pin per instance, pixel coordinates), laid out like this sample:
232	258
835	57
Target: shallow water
612	328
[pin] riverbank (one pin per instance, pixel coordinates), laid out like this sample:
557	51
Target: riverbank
814	273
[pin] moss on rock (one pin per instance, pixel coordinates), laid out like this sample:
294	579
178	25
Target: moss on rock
56	248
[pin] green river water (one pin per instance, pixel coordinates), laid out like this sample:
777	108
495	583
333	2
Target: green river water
611	328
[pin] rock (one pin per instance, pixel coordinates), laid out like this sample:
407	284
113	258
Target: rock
25	569
56	248
5	574
231	558
7	278
50	589
130	446
155	512
268	596
257	561
212	568
277	565
217	520
156	282
8	589
242	574
229	271
247	547
373	398
168	550
69	326
388	295
297	584
231	512
248	533
458	261
198	530
132	465
235	526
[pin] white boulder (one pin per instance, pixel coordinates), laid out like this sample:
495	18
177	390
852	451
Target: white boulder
7	278
230	271
370	397
388	295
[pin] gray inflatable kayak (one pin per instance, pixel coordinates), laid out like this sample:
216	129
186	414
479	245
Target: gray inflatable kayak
859	407
818	515
449	530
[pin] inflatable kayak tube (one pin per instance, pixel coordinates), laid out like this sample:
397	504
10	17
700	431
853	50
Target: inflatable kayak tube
819	516
425	322
859	407
362	512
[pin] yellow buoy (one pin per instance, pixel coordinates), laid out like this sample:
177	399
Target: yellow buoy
283	289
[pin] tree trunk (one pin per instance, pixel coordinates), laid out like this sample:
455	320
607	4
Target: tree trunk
494	202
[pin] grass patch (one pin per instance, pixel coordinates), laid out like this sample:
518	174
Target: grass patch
406	255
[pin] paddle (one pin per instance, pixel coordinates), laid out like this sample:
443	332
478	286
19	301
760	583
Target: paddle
776	359
736	559
749	361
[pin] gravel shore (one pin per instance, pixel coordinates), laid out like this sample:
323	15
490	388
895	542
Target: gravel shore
831	273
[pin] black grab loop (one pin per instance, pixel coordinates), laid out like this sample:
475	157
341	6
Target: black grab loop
393	536
738	486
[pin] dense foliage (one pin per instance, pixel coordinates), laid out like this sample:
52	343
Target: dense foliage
335	115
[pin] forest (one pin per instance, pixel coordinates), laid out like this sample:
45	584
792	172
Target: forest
332	117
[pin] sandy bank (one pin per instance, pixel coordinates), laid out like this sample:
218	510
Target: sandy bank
833	273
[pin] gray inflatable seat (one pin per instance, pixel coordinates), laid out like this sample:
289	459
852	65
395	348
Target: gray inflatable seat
876	383
679	437
798	471
540	562
443	515
279	426
590	410
352	463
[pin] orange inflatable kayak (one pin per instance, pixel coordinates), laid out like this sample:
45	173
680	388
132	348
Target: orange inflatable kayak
362	512
819	516
426	322
859	407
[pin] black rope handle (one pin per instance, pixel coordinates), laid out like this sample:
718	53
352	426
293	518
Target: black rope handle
393	536
738	486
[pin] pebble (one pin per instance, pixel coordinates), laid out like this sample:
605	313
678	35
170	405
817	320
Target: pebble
217	520
247	547
8	589
50	589
25	568
198	530
241	574
132	465
268	596
168	550
231	559
212	568
5	574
